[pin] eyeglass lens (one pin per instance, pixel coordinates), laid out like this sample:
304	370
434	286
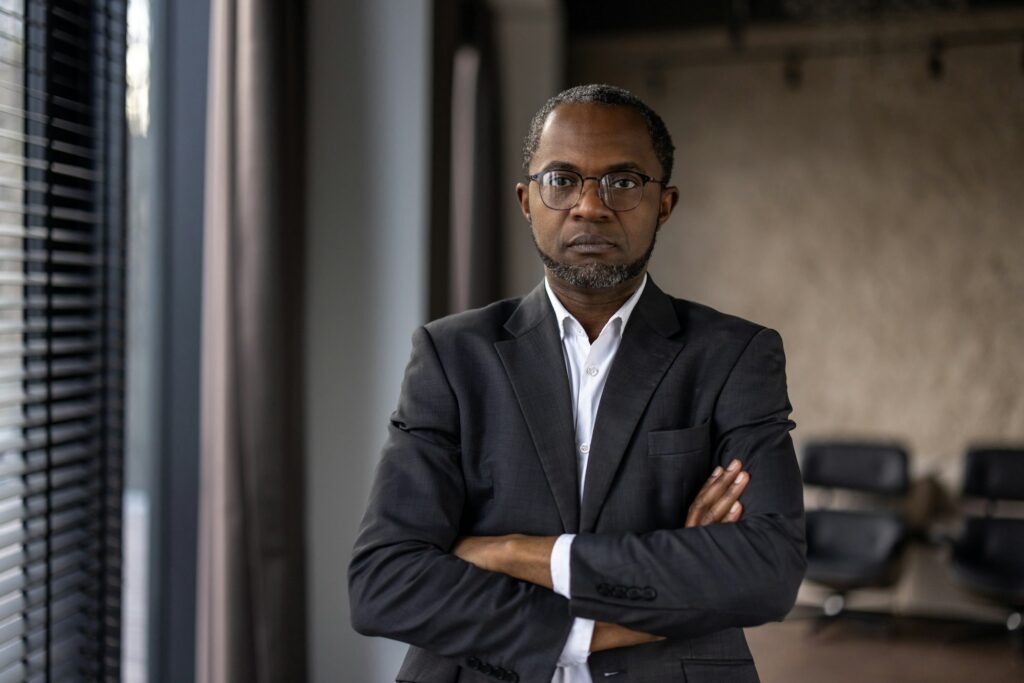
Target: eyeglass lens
620	190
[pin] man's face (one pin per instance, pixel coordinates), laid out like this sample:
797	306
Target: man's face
590	246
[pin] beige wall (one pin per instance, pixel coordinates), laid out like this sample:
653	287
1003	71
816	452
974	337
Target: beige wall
875	216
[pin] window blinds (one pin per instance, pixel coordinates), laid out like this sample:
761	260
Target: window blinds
62	137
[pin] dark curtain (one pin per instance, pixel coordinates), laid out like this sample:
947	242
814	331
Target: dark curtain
471	272
251	597
476	169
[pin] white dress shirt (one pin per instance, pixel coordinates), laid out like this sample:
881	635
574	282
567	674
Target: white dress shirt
587	366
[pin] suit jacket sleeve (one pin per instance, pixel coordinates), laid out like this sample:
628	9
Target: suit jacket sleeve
689	582
403	581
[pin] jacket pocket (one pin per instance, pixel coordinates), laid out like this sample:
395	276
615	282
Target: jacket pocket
720	671
679	441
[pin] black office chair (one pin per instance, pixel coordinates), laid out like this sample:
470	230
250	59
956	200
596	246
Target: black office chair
856	548
988	556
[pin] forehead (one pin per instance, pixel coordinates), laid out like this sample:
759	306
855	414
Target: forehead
592	136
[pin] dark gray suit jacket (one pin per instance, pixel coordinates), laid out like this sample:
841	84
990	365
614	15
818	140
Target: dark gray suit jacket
482	443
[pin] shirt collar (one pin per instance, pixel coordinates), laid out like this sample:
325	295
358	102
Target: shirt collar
620	317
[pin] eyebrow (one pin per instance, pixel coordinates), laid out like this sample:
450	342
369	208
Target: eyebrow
567	166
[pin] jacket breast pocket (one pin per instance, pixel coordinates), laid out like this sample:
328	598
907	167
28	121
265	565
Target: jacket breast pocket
679	441
677	464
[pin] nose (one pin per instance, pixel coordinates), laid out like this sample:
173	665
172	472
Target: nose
590	204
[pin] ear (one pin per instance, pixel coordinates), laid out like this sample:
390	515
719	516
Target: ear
523	193
669	199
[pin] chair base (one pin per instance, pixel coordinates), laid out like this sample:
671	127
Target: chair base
834	610
887	625
1011	630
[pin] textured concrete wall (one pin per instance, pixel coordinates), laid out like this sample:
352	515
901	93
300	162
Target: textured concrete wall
875	216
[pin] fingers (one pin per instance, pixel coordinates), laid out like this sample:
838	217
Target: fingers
715	474
713	488
724	505
717	499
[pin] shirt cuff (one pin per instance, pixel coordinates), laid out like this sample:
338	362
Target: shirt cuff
577	645
560	564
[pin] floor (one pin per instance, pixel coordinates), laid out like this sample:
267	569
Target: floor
896	652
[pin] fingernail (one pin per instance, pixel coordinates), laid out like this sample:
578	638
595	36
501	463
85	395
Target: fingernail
716	473
740	478
735	508
733	465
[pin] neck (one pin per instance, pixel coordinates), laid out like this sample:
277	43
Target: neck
593	307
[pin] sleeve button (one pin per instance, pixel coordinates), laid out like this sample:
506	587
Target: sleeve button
649	593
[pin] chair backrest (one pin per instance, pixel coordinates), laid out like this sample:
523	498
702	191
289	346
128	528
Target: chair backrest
993	542
994	473
859	466
870	536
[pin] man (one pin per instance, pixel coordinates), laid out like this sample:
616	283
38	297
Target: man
557	499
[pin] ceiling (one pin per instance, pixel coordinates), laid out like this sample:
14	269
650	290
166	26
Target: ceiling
585	17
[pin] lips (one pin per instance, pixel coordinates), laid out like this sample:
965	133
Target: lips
590	244
588	239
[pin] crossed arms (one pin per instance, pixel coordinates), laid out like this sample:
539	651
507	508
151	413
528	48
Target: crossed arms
405	583
528	558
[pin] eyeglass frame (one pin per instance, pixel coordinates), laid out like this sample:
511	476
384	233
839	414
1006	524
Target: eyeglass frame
584	178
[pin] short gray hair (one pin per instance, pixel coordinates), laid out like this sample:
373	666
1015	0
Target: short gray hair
603	94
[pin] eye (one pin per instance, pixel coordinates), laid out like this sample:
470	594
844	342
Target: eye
560	179
623	181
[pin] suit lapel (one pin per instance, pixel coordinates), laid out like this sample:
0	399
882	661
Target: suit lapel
536	368
645	354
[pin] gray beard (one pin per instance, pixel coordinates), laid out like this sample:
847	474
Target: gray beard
596	275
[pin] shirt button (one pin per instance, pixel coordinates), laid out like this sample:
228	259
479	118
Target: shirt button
592	371
585	448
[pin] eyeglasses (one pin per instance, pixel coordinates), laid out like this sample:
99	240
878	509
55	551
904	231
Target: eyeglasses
619	190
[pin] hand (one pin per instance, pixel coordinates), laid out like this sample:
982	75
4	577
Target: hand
481	551
718	500
608	636
527	558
